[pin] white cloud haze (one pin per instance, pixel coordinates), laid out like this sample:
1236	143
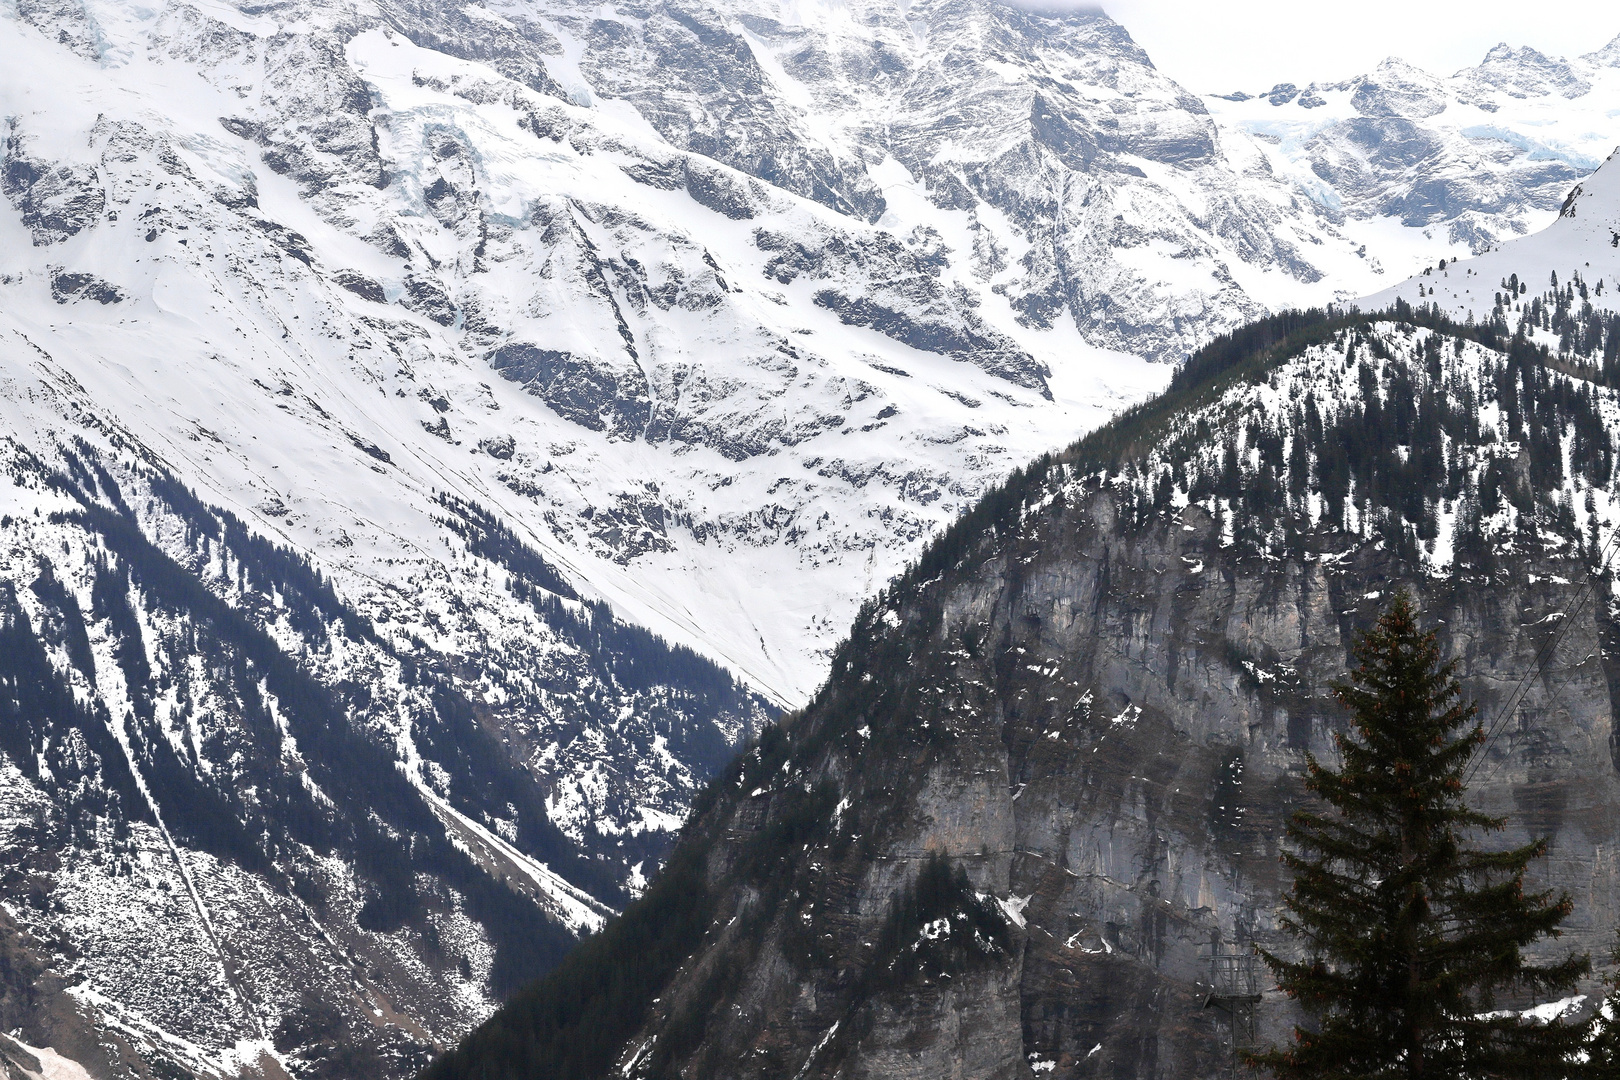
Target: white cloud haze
1211	46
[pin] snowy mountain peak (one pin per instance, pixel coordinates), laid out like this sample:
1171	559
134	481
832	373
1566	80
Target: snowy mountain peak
1396	88
1524	73
1426	167
1608	56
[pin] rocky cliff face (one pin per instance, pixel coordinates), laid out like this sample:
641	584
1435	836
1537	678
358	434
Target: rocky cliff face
1095	694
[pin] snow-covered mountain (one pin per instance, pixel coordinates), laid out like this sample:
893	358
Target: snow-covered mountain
946	192
1420	167
393	373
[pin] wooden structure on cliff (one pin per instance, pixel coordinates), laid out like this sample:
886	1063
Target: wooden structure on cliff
1234	980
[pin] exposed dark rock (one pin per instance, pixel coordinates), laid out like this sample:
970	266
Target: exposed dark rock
1069	137
387	239
56	201
893	286
666	176
362	286
741	122
67	22
513	49
67	287
976	345
287	240
632	526
371	449
323	136
587	392
499	446
242	128
716	190
1281	94
427	297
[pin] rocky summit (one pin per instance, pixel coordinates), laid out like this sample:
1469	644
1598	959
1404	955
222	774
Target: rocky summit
438	438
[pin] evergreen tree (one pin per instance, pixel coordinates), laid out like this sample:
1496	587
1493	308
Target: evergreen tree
1603	1045
1409	930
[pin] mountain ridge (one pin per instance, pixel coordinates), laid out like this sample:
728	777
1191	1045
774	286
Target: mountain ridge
1485	155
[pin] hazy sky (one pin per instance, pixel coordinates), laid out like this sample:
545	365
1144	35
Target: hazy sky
1216	46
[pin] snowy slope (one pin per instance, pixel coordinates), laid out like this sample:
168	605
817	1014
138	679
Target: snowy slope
700	350
1580	248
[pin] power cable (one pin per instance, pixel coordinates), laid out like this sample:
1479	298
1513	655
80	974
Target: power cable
1568	672
1543	656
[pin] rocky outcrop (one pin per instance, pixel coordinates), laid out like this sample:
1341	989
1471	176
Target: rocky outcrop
54	201
576	389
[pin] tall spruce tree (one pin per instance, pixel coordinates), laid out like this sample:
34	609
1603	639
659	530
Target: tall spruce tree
1409	929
